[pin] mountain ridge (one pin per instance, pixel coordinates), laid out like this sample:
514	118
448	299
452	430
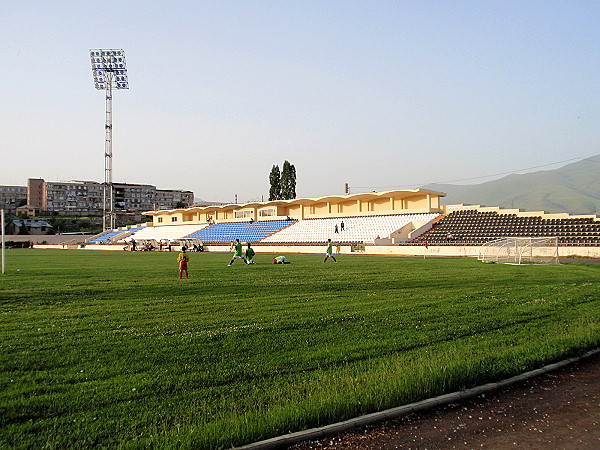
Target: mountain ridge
573	188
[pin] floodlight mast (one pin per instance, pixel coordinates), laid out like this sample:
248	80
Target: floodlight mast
108	182
109	70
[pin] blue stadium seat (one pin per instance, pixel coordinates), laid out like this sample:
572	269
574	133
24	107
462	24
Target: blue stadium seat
244	231
111	234
105	237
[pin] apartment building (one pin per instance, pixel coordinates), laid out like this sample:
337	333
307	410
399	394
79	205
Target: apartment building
171	199
11	197
81	198
73	198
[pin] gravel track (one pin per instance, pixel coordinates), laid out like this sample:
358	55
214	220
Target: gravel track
557	410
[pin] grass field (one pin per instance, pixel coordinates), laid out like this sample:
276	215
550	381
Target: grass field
111	349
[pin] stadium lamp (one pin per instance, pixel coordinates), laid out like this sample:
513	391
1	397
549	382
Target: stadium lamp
110	72
108	67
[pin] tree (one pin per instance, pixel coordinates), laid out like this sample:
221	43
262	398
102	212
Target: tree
58	224
288	181
275	182
292	181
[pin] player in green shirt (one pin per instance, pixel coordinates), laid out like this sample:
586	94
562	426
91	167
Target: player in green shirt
329	251
249	255
238	252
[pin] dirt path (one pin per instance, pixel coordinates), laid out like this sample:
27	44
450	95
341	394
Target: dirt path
559	410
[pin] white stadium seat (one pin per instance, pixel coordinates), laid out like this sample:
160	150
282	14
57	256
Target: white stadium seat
365	228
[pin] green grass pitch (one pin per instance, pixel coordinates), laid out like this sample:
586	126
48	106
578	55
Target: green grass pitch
111	349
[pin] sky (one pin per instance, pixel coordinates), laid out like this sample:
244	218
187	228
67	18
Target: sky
378	94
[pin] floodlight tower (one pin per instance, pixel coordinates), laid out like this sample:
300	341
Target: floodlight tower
110	72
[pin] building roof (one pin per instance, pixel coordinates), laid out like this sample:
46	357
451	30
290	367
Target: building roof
367	196
32	223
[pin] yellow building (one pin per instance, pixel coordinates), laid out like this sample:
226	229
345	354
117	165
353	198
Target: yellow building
408	201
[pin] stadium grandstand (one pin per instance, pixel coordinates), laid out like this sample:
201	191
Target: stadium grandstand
166	233
114	236
345	218
474	227
245	232
365	228
392	222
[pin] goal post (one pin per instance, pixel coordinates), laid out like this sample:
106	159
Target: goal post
520	250
3	244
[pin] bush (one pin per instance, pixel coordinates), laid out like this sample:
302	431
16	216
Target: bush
16	244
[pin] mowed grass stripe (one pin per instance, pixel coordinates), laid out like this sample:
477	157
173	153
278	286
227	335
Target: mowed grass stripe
111	349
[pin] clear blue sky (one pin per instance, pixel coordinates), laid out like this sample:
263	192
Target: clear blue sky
379	94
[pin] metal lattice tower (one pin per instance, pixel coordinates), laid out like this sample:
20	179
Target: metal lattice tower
110	72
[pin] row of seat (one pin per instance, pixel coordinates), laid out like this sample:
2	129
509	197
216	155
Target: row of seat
493	216
346	229
113	235
244	231
105	237
473	226
469	227
166	232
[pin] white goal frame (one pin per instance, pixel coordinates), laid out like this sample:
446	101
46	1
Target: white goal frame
520	250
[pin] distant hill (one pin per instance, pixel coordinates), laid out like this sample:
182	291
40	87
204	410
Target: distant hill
200	202
574	188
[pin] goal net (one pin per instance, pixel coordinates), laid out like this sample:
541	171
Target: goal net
520	250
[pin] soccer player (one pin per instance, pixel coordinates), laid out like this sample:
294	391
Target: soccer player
183	259
329	251
280	260
249	255
238	252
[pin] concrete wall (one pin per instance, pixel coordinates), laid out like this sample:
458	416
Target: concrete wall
383	249
53	239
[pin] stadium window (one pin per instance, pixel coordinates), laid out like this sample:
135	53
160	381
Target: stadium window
243	214
173	219
267	212
159	220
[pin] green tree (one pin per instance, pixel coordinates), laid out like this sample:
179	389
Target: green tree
275	182
292	181
288	181
58	224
